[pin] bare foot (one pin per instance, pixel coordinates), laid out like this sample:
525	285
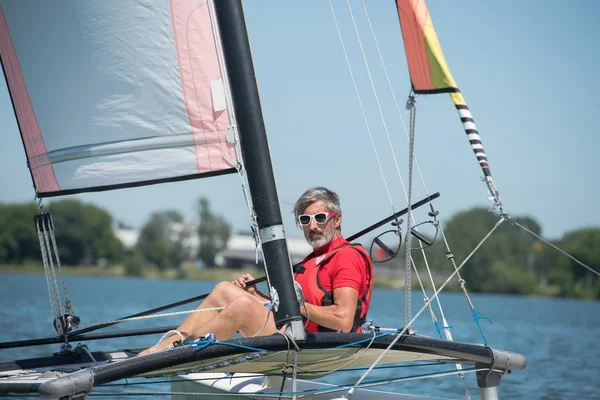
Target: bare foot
164	342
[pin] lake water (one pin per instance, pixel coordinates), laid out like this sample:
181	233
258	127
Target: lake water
559	337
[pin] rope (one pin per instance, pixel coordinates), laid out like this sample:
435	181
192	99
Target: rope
51	271
51	295
68	306
41	222
266	320
151	316
174	313
166	335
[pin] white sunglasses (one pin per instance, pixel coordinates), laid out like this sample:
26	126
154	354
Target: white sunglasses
320	218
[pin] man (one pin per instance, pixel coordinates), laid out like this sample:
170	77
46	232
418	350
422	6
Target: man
336	279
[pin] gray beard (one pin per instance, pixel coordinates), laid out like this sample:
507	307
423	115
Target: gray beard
320	240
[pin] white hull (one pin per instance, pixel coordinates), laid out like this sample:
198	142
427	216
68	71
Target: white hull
194	386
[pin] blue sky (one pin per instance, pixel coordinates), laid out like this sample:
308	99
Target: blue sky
527	69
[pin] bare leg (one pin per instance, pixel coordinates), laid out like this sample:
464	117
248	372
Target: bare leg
243	314
197	324
194	325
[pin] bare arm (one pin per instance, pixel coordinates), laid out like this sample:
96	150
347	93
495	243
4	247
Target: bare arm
340	315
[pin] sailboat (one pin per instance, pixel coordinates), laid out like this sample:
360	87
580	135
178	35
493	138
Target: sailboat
171	95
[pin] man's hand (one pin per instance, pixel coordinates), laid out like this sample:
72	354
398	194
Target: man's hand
241	282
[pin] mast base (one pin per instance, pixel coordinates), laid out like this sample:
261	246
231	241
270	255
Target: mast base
490	393
295	330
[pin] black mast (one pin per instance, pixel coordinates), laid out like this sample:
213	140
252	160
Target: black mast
255	151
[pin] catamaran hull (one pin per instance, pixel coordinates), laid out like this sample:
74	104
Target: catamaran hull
188	387
259	358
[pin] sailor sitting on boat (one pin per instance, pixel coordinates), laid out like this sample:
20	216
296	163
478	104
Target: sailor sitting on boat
336	279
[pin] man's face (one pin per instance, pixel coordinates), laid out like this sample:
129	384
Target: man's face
319	234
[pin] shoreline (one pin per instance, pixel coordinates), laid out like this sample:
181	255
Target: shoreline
384	281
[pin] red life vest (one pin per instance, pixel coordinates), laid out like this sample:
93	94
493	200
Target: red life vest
316	294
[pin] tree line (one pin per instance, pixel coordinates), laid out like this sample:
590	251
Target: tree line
510	261
85	235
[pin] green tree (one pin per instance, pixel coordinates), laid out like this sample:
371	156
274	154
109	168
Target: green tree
573	278
84	233
214	233
503	263
163	240
18	238
134	264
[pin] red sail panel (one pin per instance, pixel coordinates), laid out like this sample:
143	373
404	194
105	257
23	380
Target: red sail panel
117	94
43	174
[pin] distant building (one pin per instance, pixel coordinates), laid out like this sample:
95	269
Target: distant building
128	236
241	251
188	229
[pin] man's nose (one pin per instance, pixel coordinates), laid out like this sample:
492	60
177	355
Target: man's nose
313	223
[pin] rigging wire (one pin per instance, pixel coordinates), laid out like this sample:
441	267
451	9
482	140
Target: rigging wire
462	283
414	159
393	93
410	137
408	238
556	248
233	130
500	221
362	109
416	162
409	261
407	379
366	63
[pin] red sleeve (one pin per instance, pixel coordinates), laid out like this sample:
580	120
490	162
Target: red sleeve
349	270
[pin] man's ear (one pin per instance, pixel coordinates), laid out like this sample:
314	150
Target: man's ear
338	220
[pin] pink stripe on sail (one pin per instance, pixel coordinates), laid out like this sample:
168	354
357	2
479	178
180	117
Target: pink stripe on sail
198	67
43	175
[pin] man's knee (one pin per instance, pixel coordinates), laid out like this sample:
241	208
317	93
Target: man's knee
223	289
244	306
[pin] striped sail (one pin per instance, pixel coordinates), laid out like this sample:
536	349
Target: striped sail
429	74
112	94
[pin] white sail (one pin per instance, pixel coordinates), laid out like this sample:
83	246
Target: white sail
122	93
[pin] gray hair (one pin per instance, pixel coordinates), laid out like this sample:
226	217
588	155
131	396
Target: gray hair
314	194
